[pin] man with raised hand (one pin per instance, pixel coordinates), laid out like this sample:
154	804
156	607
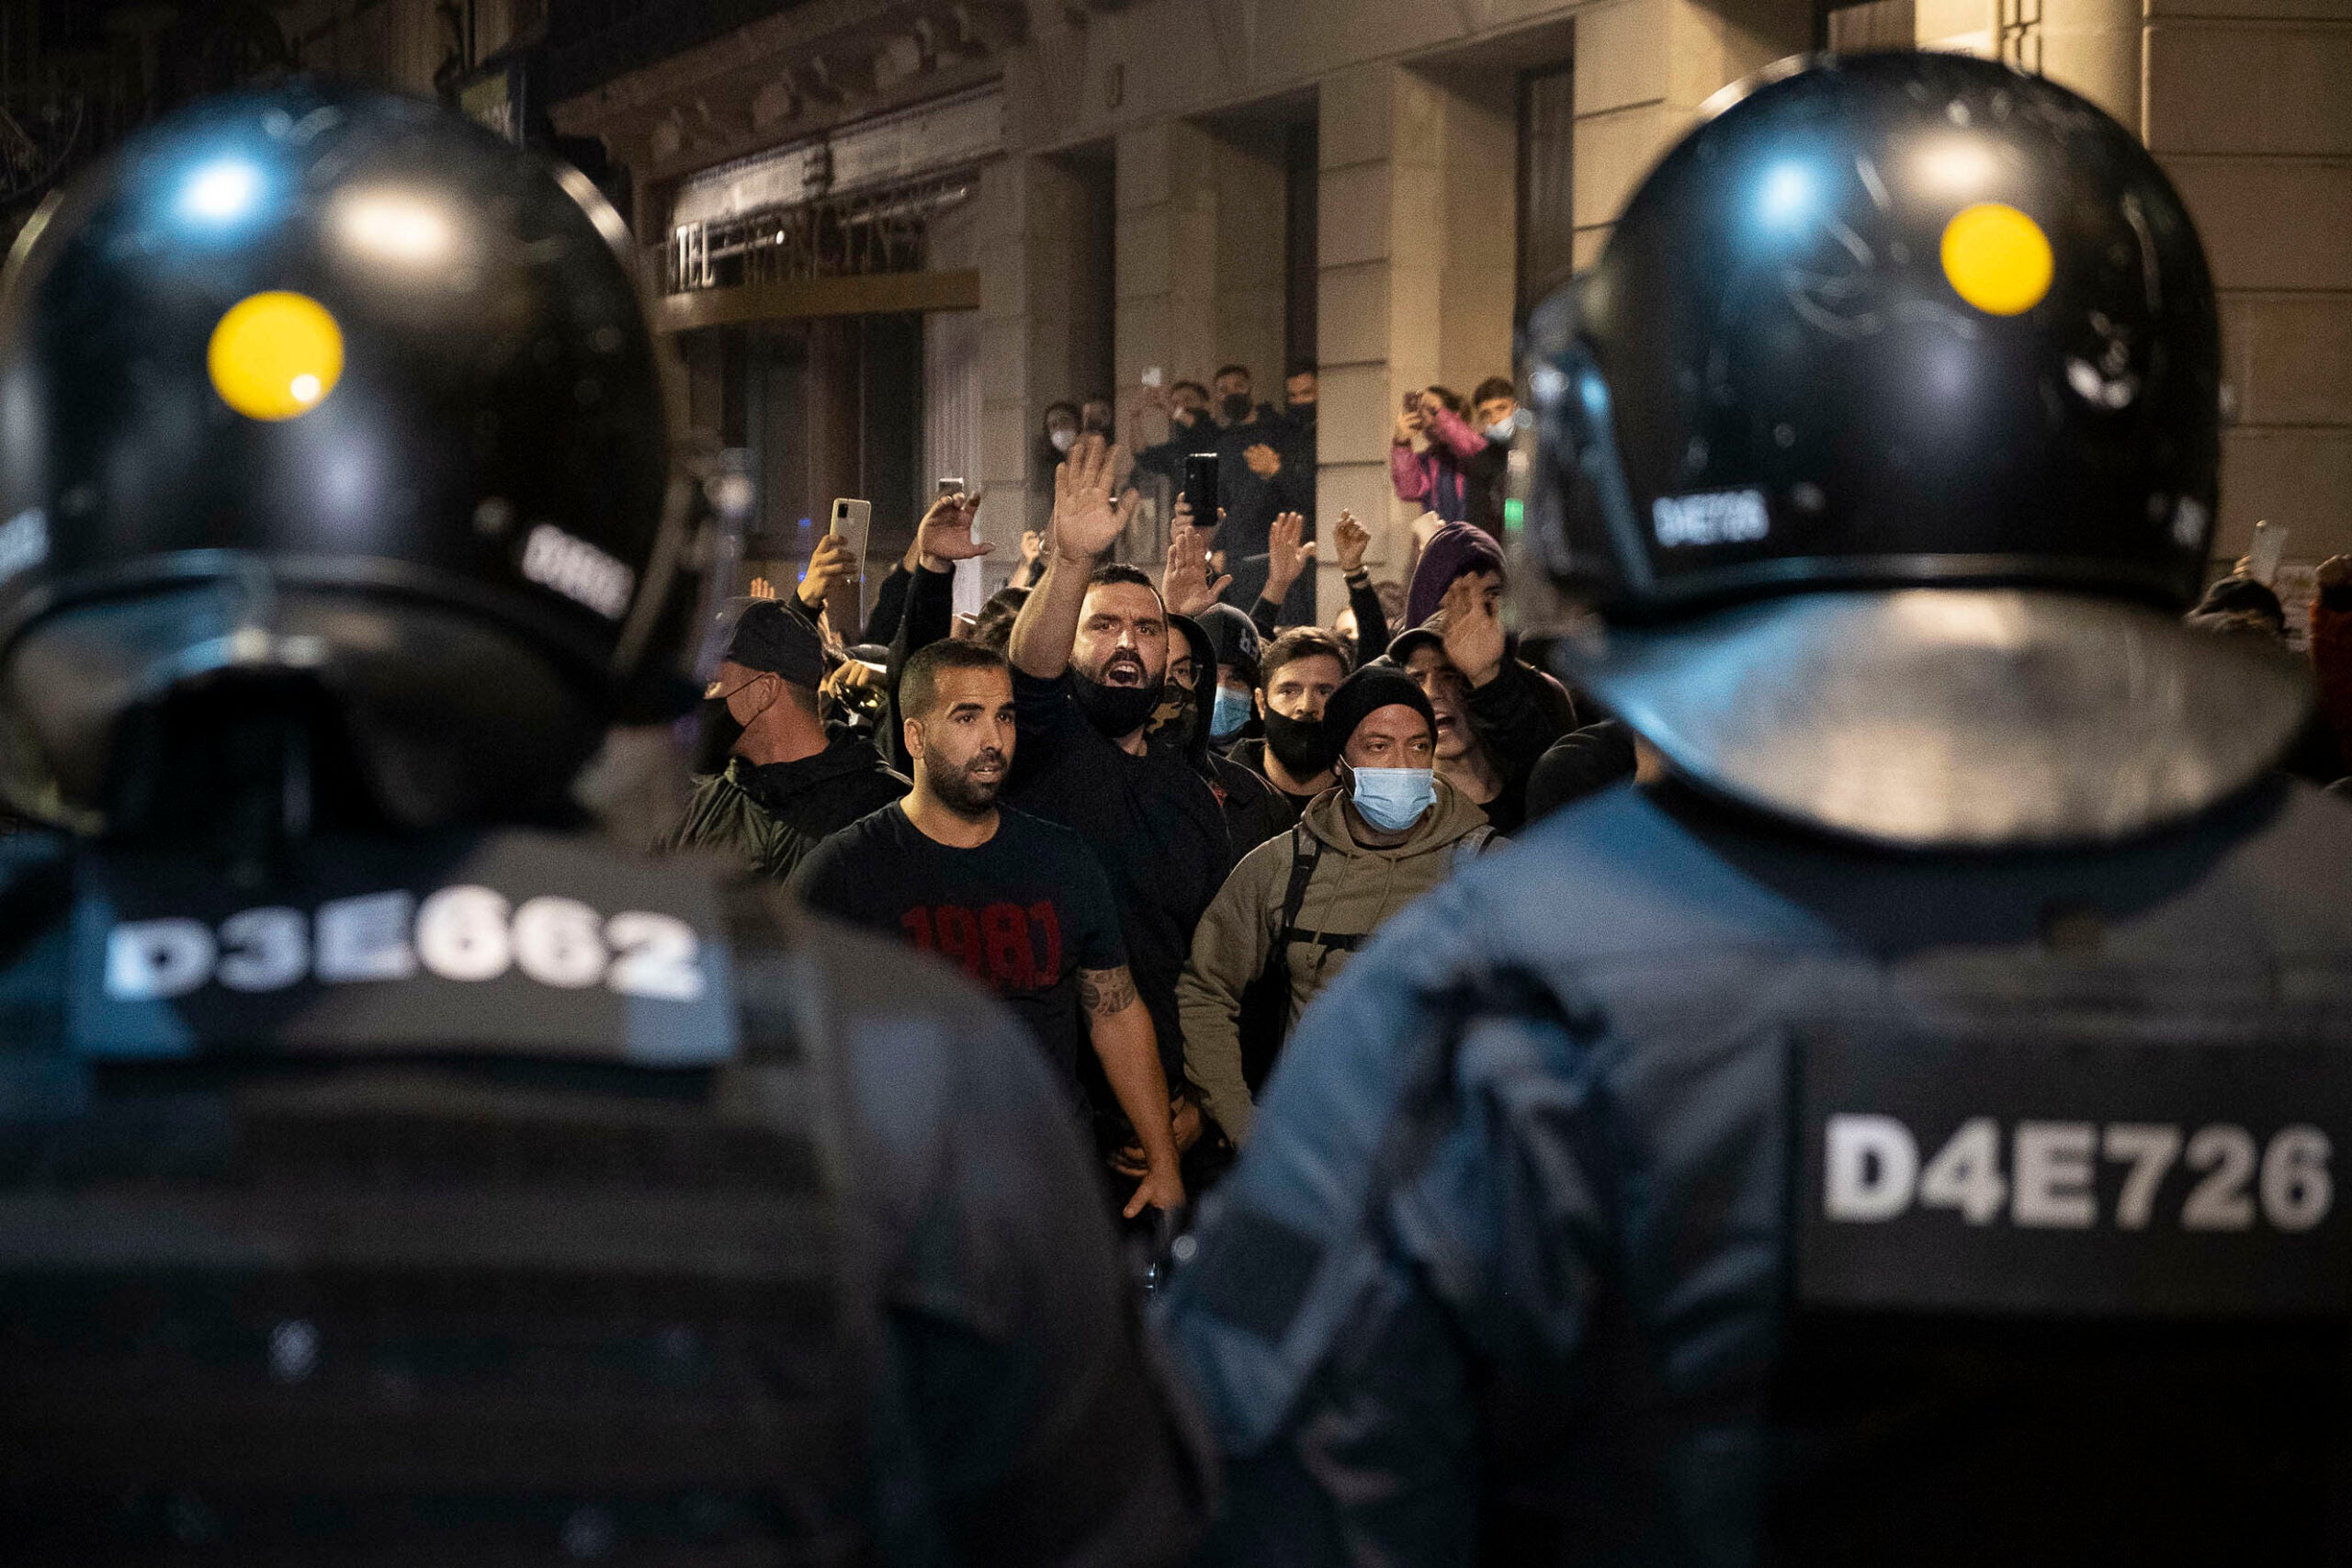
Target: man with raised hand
1089	657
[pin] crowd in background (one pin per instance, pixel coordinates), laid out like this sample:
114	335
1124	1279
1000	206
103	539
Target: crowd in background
1158	810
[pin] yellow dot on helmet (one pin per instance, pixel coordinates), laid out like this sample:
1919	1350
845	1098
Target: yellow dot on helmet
1997	258
276	356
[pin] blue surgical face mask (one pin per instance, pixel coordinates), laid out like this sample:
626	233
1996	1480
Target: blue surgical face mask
1392	799
1228	714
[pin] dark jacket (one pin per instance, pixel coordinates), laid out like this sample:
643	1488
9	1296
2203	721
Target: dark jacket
1254	810
1250	752
1251	502
770	817
1581	762
1519	714
1552	1244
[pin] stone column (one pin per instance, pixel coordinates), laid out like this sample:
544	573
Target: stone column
1643	67
1166	250
2093	47
1006	422
1382	218
2249	108
1039	329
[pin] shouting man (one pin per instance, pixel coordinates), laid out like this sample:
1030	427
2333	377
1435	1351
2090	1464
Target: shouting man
1090	658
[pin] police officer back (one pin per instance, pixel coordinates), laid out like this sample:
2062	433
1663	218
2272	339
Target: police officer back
393	1174
1909	1136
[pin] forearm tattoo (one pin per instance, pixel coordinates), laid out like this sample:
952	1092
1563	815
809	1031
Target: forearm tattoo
1106	991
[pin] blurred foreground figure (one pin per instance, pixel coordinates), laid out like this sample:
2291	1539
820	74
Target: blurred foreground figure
386	1174
1906	1135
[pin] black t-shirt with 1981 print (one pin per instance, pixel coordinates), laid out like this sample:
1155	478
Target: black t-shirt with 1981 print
1020	914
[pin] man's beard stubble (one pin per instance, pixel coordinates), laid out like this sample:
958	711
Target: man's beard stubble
964	796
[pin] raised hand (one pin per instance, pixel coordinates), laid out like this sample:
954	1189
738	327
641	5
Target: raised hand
1263	460
761	588
1352	538
945	535
833	562
1188	582
1032	542
1474	632
1088	520
1285	556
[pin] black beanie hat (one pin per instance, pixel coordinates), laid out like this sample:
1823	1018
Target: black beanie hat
1370	689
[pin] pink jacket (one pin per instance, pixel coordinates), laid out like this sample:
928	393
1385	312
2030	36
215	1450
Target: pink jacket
1434	477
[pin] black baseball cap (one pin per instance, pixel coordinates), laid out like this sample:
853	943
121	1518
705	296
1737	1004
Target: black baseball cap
771	637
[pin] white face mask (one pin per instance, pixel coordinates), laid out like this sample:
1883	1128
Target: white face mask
1501	430
1063	440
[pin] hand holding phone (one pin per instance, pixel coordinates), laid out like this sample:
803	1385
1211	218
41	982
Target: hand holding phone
1200	490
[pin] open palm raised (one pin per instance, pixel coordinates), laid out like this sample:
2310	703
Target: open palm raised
1087	518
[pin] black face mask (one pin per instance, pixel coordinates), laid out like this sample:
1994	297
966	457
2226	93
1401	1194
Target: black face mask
1189	419
1176	715
1115	712
1298	744
1237	407
715	732
1303	415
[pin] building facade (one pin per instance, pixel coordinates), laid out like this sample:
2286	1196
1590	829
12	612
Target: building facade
888	234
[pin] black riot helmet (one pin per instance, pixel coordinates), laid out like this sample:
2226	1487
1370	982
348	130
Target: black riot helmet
324	390
1883	439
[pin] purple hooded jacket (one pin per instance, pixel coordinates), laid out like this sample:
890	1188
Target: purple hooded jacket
1453	550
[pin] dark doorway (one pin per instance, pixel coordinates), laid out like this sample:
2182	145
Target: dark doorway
1302	175
1547	109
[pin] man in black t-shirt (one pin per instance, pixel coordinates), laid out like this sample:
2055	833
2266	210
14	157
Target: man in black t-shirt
1020	903
1090	658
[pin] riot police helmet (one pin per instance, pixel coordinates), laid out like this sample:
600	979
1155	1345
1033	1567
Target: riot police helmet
1881	445
326	388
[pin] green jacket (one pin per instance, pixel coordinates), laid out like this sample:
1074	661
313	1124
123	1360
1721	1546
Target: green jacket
1353	889
771	815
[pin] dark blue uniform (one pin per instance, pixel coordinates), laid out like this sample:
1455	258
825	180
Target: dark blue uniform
1674	1188
494	1198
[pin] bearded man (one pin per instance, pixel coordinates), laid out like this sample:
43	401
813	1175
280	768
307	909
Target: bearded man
1089	660
1020	904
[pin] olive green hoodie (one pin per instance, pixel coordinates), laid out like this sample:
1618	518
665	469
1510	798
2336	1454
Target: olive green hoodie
1354	889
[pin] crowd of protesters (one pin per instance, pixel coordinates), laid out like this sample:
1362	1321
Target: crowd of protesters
1159	812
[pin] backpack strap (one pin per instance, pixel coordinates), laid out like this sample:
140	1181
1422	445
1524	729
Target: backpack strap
1305	853
1477	841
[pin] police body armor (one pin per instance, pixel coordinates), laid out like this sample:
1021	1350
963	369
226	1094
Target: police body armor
385	1178
476	1200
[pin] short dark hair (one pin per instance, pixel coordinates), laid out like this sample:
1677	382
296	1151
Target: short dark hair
1450	398
1302	642
992	627
1240	370
1121	571
1494	386
1062	406
919	681
1301	368
1195	385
